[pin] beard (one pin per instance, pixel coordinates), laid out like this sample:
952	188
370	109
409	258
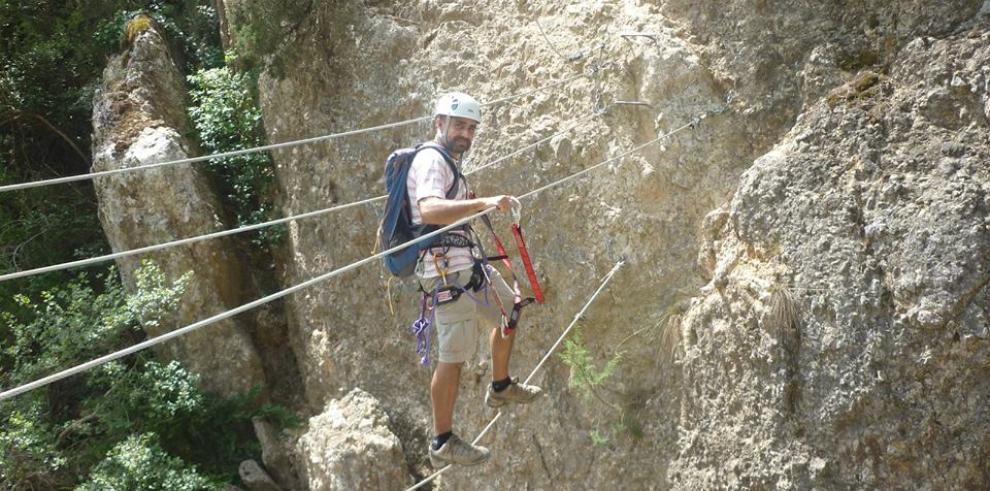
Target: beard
459	145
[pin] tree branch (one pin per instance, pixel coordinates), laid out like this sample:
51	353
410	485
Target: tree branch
19	115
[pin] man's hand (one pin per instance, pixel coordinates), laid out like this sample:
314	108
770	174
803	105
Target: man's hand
502	202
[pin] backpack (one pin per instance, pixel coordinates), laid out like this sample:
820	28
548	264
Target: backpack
397	227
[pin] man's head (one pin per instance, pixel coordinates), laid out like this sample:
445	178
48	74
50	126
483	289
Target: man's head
456	118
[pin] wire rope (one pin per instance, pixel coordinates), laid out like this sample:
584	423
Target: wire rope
262	148
223	233
269	298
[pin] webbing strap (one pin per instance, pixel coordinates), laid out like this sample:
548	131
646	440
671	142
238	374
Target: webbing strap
509	320
534	284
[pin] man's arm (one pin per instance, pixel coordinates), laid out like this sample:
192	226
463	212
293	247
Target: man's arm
439	211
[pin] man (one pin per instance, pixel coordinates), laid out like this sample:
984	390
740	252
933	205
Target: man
453	262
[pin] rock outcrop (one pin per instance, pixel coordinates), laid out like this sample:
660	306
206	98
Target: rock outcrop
350	446
843	340
778	59
836	335
255	478
139	118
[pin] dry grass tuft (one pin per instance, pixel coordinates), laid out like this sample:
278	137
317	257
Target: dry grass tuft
785	311
136	26
670	335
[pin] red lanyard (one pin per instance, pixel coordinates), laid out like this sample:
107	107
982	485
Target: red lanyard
511	320
534	284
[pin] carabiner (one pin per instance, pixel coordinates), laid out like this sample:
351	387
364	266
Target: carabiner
516	210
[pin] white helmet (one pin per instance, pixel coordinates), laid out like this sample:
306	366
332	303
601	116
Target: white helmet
458	105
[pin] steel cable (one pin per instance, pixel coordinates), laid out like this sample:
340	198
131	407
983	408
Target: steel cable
247	228
256	303
263	148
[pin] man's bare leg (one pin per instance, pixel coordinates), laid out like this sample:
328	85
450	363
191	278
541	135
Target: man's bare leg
503	390
443	391
501	353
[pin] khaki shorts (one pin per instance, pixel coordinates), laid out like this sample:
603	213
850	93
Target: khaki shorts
460	323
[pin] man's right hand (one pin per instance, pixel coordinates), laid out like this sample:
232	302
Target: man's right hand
503	202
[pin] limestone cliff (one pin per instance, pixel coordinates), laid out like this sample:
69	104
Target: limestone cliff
139	118
843	340
824	327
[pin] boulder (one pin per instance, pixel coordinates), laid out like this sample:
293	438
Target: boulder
350	446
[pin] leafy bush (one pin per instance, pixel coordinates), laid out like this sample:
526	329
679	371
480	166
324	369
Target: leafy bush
139	464
30	459
226	116
53	436
191	26
589	380
73	323
46	118
585	376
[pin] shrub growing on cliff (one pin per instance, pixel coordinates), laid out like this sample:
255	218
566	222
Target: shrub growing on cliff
191	27
54	436
139	463
226	116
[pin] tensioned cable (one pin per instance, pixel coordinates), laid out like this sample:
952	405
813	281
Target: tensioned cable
605	281
611	159
274	146
224	315
247	228
261	301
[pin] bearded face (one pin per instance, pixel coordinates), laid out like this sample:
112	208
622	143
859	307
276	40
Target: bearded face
457	134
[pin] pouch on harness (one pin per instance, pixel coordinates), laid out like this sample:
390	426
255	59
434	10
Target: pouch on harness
397	227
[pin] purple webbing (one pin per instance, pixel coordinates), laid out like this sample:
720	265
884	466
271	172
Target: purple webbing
421	328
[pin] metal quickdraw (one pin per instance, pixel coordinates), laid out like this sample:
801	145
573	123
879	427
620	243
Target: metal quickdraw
510	320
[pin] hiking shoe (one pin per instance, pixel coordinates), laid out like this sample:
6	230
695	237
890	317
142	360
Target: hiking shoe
457	451
515	393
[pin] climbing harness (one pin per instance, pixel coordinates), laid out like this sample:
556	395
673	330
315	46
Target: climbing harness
447	290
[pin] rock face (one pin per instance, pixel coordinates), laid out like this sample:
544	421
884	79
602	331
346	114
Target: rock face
139	118
349	446
843	340
825	327
255	478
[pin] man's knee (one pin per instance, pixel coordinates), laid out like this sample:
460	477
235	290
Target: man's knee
446	371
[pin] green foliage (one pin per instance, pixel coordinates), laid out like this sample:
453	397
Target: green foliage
46	118
585	376
135	418
226	116
589	380
262	28
73	323
139	464
53	436
30	457
598	438
191	26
